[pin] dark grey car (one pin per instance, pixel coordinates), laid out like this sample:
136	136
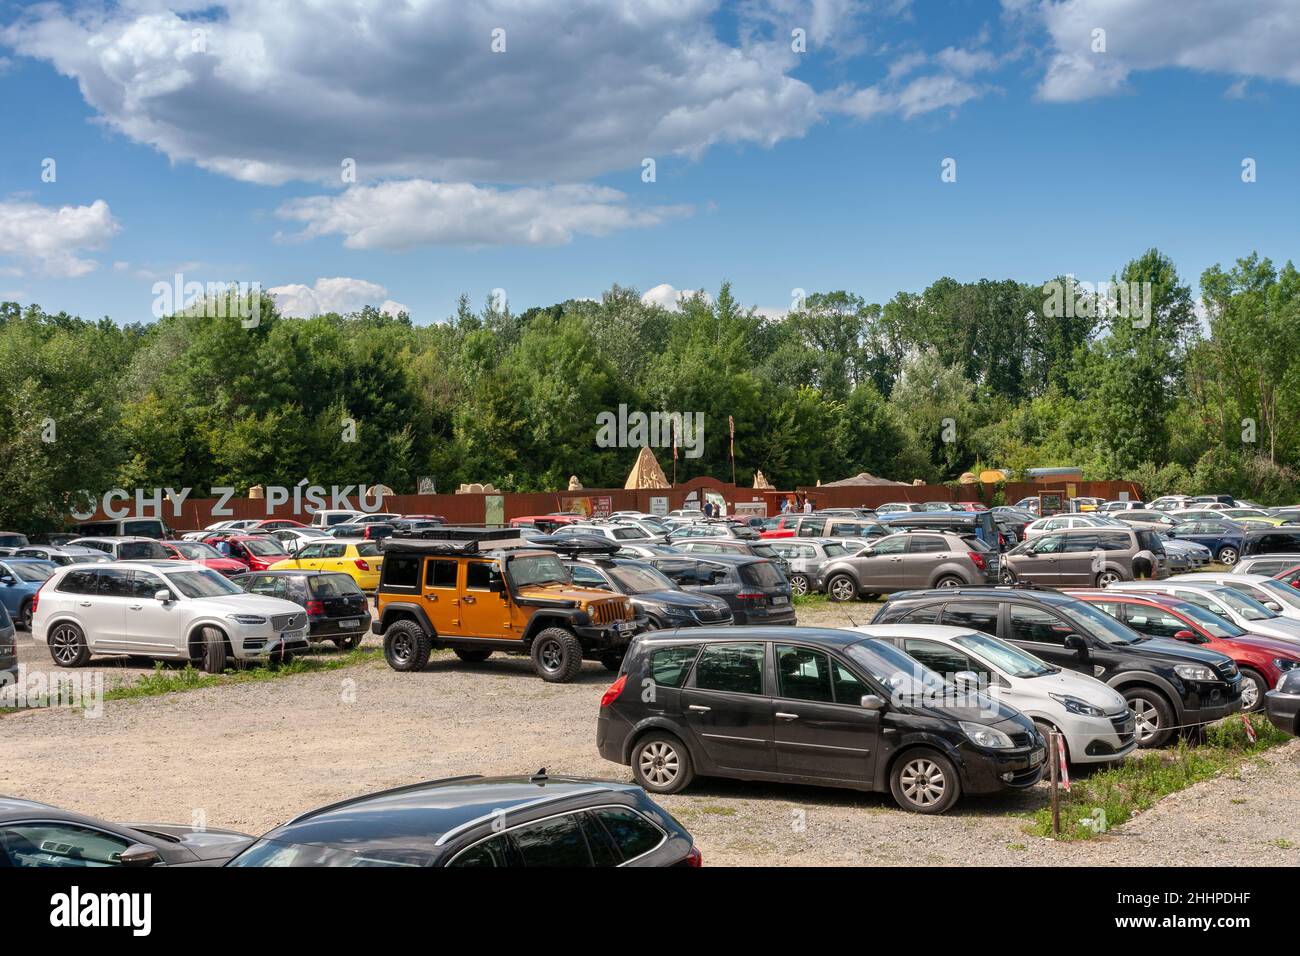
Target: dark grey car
756	589
1283	703
808	558
910	560
483	822
37	835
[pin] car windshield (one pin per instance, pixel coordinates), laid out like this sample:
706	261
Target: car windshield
264	547
332	585
903	676
634	580
835	550
627	533
31	572
1098	624
199	584
274	853
196	550
1210	622
141	551
1247	607
1004	657
538	569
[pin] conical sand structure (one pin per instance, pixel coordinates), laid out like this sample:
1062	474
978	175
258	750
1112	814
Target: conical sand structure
646	473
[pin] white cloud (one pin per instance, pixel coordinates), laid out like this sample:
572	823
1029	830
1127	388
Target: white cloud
417	212
667	297
271	93
1253	40
338	294
51	241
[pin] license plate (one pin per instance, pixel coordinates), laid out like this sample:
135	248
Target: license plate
780	600
1036	757
624	626
350	625
293	635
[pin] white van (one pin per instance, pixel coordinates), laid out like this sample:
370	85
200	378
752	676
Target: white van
124	528
329	518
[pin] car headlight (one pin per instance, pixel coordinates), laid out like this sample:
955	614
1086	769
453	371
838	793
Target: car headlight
1285	663
986	736
1076	706
246	618
1195	672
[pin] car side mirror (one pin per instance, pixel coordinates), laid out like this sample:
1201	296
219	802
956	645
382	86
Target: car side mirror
497	585
163	596
1184	635
139	854
1073	642
6	579
873	702
1273	606
967	679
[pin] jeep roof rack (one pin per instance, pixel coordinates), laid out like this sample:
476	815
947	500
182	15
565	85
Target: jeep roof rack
451	539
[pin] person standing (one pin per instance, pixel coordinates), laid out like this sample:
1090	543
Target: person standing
807	506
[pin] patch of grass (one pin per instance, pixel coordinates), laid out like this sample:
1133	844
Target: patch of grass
1283	844
164	681
811	599
1016	846
1139	782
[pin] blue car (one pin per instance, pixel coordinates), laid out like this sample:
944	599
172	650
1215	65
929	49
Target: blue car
8	649
1223	538
20	578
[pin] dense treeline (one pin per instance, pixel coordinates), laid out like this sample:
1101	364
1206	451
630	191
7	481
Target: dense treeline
931	384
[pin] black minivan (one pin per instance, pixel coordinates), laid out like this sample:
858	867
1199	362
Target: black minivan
813	706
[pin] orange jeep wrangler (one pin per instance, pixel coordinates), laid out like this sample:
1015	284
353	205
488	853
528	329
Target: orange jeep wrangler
478	591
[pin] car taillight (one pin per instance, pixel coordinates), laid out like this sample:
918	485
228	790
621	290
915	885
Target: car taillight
361	565
752	597
694	859
615	689
36	598
315	608
977	559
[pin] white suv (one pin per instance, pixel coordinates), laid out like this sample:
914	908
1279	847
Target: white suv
174	610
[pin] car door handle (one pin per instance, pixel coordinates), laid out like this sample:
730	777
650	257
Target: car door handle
136	607
84	603
699	708
468	599
787	716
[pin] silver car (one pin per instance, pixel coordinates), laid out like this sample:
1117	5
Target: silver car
807	559
1240	609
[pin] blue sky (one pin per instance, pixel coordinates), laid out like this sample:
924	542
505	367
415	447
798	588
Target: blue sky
522	169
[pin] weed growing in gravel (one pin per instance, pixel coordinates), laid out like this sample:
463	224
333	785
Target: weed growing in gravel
163	681
811	599
1139	782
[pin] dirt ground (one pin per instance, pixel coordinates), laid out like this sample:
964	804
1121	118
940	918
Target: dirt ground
251	755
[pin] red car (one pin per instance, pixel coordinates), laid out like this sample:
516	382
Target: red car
256	552
1290	576
1262	660
545	523
970	506
206	555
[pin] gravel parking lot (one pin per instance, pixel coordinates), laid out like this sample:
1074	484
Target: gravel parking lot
251	755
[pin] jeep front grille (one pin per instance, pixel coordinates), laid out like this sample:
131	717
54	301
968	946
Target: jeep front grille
607	612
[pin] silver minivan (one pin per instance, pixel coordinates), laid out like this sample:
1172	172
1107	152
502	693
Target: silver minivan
137	527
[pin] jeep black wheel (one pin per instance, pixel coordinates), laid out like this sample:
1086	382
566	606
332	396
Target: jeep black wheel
472	655
661	763
68	645
557	655
407	646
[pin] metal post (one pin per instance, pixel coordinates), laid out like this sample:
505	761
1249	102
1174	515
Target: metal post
1055	778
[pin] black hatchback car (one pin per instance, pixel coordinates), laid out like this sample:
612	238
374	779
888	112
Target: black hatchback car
813	706
755	589
337	609
483	821
1168	684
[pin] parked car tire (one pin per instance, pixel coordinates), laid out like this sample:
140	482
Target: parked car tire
842	587
1107	578
213	659
950	581
924	781
557	655
661	763
799	584
349	643
1155	716
67	645
473	655
1045	729
1253	689
1227	556
25	616
407	646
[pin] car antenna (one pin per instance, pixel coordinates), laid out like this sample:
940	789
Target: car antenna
851	621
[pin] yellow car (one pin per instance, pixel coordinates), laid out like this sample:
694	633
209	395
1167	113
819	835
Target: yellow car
360	559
